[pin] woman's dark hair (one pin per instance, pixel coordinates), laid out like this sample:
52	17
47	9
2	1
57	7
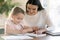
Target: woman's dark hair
35	2
17	10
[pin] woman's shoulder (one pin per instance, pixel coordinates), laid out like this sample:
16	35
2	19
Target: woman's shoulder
43	12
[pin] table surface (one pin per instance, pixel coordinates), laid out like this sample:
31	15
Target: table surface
47	37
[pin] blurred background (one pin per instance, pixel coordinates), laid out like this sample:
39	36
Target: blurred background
51	6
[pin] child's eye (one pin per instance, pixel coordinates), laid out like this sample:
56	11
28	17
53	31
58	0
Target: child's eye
21	18
18	18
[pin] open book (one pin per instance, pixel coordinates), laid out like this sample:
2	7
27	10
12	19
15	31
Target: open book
15	37
33	35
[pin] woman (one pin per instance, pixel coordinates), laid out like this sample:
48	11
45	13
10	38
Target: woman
36	16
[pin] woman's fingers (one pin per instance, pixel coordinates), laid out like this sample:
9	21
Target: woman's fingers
40	31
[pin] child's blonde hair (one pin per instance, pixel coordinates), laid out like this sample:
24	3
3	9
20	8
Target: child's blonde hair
15	11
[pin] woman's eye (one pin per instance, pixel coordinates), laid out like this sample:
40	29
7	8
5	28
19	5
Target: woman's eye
34	9
29	8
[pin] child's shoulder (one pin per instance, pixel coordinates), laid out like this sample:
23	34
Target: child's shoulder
8	21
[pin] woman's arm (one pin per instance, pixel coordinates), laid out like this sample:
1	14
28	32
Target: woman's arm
47	18
48	21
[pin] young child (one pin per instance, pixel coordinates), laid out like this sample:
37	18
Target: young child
15	24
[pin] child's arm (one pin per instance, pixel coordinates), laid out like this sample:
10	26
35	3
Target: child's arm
11	31
27	29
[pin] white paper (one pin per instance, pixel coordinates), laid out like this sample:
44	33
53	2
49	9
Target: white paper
15	37
35	35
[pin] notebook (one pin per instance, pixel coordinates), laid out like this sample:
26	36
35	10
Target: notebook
54	32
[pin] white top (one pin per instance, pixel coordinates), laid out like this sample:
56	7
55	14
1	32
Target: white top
40	19
14	26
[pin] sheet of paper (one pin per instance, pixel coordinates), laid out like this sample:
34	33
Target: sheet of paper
35	35
16	37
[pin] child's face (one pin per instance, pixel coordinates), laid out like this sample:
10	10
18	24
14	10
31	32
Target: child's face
18	18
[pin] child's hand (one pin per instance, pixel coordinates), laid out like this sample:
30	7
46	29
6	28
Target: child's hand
35	28
27	30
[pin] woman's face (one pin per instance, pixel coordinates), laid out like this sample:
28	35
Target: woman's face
32	9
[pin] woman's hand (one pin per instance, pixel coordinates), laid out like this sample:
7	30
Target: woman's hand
41	31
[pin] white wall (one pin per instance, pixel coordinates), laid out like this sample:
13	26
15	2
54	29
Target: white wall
54	12
22	3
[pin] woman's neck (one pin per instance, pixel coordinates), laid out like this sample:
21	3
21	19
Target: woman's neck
32	14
